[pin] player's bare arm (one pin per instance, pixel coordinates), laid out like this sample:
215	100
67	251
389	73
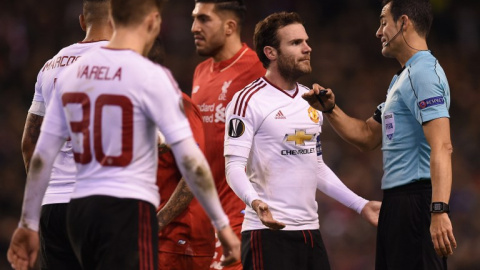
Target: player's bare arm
31	132
266	216
437	133
365	135
178	202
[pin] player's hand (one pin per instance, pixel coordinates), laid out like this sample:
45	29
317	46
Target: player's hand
442	234
320	98
230	244
371	212
23	249
266	216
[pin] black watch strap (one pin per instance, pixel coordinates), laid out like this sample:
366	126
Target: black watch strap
439	207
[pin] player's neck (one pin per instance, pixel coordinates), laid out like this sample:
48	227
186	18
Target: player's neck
231	47
97	33
280	81
125	38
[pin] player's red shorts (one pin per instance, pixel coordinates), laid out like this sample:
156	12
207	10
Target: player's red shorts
173	261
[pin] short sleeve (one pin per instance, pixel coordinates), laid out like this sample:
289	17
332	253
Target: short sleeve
38	95
162	102
430	97
55	122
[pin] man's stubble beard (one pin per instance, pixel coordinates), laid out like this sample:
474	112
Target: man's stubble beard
288	68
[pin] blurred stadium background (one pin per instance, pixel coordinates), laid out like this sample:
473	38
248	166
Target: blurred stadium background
346	57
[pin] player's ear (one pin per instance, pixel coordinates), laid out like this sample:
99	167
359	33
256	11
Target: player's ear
83	24
153	22
230	27
270	52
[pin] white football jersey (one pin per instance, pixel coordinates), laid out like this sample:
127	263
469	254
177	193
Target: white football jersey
279	133
62	179
110	103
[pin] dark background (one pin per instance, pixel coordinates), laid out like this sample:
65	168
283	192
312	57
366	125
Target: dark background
346	57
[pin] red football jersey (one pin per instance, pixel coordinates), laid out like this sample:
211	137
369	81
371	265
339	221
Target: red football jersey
214	85
191	233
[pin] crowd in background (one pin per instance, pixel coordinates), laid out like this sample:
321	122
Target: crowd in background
346	57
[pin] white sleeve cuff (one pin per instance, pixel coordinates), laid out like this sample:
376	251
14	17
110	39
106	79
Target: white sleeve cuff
38	108
29	224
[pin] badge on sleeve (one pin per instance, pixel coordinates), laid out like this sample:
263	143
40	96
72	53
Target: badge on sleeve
431	102
236	128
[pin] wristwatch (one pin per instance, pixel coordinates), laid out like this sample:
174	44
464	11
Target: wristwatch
439	207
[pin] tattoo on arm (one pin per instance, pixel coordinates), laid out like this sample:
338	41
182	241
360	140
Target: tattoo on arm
31	132
178	202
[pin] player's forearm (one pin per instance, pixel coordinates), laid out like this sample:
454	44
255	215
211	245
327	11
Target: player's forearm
355	131
31	132
198	176
37	179
332	186
441	172
238	180
178	202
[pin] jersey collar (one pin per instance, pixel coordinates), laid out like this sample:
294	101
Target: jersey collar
224	65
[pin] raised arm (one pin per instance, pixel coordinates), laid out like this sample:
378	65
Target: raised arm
437	133
365	135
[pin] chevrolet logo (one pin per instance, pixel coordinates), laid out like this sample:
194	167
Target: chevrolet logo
299	137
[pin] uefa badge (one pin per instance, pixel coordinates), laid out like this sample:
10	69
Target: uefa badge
313	115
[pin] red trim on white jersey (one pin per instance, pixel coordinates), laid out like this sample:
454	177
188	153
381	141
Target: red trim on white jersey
281	90
242	104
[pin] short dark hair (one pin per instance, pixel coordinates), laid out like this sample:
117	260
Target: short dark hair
419	11
266	32
127	12
95	10
237	7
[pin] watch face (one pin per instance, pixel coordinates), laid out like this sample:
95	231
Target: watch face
437	207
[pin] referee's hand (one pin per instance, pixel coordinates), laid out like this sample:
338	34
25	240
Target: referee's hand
266	216
320	98
442	234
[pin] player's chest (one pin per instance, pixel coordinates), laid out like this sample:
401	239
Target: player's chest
216	89
296	122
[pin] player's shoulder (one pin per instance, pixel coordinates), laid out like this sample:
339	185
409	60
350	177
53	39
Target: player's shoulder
253	89
302	88
254	95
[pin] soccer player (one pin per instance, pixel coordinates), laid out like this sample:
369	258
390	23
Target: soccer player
274	157
413	128
110	102
231	65
56	251
186	237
